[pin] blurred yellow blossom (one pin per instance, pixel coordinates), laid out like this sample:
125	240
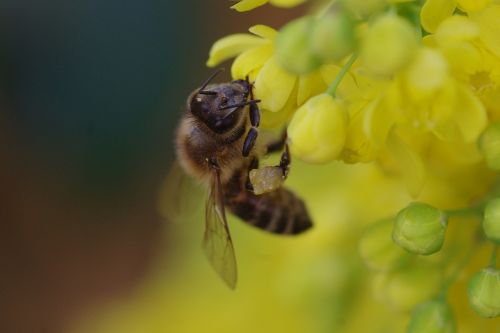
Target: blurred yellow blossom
407	95
388	45
416	106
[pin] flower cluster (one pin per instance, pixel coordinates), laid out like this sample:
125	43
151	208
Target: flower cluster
413	87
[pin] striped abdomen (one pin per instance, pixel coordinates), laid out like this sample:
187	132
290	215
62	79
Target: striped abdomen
280	211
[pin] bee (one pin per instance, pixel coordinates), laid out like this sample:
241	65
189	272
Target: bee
216	144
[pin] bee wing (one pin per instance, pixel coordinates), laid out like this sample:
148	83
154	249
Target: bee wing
217	242
179	197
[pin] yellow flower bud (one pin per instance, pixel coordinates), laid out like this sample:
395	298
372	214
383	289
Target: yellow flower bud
273	86
472	5
332	36
434	12
432	317
491	221
489	144
426	74
420	229
388	45
317	131
484	292
292	47
378	250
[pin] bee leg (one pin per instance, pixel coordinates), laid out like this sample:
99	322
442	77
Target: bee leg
253	165
285	161
253	132
277	145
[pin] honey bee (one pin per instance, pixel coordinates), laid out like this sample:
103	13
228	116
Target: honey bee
216	144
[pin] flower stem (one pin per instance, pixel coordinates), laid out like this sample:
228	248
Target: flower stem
477	210
454	275
493	259
325	9
332	89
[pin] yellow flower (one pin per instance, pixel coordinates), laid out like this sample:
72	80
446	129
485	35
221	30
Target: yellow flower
423	116
318	129
281	92
469	44
246	5
254	58
388	45
434	12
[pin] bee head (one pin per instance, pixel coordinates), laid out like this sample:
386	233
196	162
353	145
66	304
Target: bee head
220	106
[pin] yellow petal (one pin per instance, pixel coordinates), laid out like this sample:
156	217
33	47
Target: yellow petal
489	26
273	86
444	104
388	45
318	129
429	41
310	85
358	148
251	59
380	117
434	12
472	5
464	59
230	46
286	3
410	163
246	5
278	120
346	87
456	28
263	31
426	74
470	115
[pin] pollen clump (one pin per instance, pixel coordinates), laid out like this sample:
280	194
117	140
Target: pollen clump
266	179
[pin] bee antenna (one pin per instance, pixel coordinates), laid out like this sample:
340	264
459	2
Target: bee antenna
207	81
237	106
207	92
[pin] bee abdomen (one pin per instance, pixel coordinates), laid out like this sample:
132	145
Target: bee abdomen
280	211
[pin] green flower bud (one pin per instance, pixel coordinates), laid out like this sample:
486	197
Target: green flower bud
378	250
484	292
490	145
491	221
292	47
404	288
364	8
333	37
432	317
420	229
